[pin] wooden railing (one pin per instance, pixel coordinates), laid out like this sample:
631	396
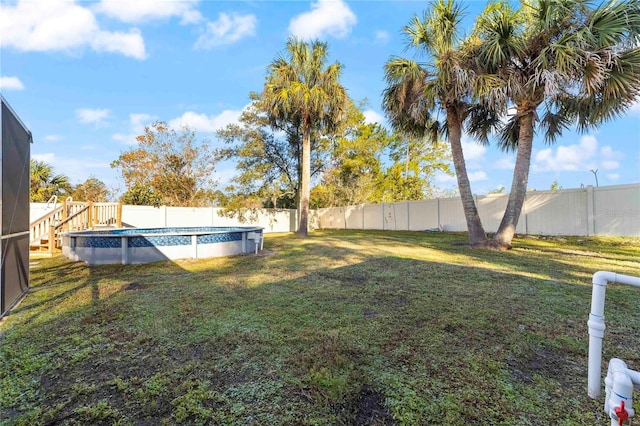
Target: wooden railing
72	216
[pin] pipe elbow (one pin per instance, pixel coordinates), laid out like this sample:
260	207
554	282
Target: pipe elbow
603	277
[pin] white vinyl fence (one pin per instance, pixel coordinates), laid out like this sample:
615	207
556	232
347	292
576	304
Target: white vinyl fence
272	220
610	211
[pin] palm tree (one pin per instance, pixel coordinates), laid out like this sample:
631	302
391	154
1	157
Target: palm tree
417	91
301	89
44	183
563	60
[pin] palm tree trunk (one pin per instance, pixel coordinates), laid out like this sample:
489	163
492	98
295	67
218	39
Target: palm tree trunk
477	236
507	227
305	187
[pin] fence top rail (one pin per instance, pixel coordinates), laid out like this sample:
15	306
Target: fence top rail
47	216
73	216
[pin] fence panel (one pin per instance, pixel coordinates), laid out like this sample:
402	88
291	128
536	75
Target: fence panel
372	216
491	209
423	215
395	216
451	215
353	217
555	213
617	210
144	216
188	216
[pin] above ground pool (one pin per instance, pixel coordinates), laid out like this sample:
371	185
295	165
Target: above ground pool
143	245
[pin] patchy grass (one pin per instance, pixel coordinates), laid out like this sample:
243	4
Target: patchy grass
360	328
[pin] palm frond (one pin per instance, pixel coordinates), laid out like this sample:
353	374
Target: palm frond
509	135
482	122
554	124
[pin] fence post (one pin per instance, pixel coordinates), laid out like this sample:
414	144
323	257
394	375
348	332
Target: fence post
344	216
408	217
119	216
64	209
591	220
90	211
52	234
526	215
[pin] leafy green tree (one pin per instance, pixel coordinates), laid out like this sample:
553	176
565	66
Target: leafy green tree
558	64
355	172
141	195
417	91
415	163
170	165
301	90
555	186
498	190
268	160
45	183
92	189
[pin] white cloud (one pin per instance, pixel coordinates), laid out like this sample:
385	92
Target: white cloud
568	158
226	30
371	116
147	10
205	123
327	17
505	163
582	156
52	138
10	83
613	176
477	176
58	25
89	115
635	107
137	123
78	169
129	44
473	151
191	17
382	36
610	164
48	157
442	177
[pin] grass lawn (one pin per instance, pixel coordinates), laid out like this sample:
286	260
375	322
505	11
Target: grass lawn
345	327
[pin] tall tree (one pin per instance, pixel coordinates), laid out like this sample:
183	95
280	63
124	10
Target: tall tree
92	189
268	160
354	172
45	183
559	63
169	164
417	90
415	163
140	194
301	89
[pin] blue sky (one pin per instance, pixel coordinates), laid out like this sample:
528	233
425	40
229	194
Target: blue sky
86	77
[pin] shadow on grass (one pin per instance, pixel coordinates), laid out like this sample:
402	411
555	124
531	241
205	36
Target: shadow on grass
316	332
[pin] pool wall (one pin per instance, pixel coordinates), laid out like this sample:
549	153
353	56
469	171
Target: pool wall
144	245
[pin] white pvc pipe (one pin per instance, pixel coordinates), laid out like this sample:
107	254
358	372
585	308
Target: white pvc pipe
596	324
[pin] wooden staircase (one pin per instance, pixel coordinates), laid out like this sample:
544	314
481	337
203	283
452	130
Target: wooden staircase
45	232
